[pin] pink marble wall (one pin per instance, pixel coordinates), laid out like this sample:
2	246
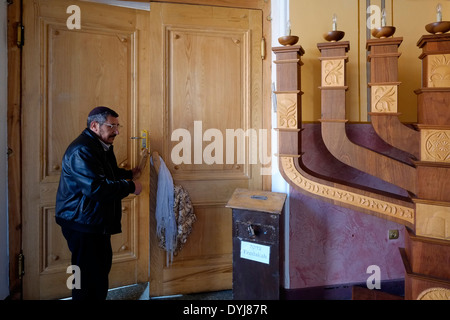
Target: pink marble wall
333	245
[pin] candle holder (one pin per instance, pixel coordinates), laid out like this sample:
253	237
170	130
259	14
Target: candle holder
288	40
438	27
334	35
383	32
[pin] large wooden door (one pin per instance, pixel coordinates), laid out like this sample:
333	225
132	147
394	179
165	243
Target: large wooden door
206	79
68	71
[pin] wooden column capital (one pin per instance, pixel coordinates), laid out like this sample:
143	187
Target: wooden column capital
286	49
338	45
372	43
435	42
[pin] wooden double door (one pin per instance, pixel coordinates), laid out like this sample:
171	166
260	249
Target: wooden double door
175	67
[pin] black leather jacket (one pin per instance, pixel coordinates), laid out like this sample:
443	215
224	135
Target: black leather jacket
91	187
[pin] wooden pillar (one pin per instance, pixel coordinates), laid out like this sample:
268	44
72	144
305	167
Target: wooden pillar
434	124
288	63
427	252
334	82
384	85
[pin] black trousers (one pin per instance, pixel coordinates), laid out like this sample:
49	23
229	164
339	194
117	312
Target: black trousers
92	253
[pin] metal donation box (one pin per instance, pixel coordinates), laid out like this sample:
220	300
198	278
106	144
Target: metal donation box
257	245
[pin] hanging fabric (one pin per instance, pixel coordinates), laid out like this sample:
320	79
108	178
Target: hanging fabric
174	213
166	226
184	215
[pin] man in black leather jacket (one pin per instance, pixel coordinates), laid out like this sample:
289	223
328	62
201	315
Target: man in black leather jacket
88	201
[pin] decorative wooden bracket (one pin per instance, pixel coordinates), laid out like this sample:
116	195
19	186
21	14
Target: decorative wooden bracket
334	120
384	85
363	199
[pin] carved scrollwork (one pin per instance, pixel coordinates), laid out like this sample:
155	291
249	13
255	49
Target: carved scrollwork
333	73
287	111
434	294
436	145
357	200
384	98
439	71
433	221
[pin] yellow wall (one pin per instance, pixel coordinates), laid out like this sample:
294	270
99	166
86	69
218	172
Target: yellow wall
311	19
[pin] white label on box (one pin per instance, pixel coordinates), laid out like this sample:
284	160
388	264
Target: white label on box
255	252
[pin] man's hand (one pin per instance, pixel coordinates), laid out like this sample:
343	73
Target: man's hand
138	187
136	173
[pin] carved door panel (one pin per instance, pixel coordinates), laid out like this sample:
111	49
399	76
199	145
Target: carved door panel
66	73
206	90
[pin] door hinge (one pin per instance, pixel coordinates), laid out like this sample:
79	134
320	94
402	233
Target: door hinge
263	48
21	265
20	35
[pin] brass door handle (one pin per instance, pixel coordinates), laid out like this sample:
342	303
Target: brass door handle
144	139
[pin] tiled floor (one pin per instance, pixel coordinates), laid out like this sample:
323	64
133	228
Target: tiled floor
140	292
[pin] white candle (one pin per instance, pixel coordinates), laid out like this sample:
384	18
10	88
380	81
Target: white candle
439	13
383	18
334	22
288	27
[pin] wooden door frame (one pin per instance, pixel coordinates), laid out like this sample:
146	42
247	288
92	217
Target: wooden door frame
14	115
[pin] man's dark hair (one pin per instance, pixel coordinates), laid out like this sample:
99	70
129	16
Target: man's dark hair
99	114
